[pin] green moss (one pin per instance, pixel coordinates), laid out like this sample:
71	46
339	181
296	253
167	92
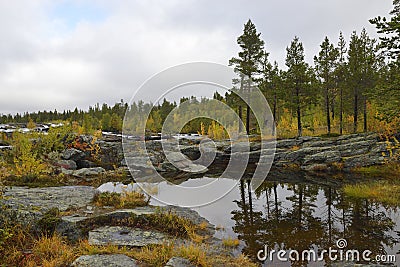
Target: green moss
41	181
390	171
385	192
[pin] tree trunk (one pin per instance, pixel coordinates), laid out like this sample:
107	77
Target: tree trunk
247	119
240	120
341	112
355	110
329	204
328	114
274	116
300	205
365	114
248	108
299	126
240	106
250	202
276	201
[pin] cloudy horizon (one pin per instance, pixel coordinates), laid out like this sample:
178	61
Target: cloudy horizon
66	54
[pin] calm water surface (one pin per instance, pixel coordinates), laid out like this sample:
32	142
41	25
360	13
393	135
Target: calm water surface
298	215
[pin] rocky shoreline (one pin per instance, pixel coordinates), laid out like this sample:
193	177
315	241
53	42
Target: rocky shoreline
70	211
77	218
309	154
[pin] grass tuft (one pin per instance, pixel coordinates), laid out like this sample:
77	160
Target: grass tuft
381	191
230	242
121	200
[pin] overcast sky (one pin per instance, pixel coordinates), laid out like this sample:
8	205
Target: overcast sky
62	54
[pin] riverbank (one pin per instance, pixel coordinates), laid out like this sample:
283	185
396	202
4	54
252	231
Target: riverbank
99	228
93	228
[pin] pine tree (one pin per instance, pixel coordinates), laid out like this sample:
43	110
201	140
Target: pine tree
106	122
340	74
326	63
248	61
387	93
390	29
298	78
362	72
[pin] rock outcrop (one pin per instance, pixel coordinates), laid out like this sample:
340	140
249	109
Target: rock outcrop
308	153
97	260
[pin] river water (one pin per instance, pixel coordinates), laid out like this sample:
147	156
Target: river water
298	214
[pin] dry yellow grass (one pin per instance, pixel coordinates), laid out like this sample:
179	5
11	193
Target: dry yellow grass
230	242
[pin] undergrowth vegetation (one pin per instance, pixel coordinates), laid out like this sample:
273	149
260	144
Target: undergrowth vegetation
20	248
386	192
126	199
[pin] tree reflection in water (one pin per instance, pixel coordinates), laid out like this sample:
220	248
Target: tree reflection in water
311	217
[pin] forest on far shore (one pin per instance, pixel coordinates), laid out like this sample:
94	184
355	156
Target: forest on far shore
352	86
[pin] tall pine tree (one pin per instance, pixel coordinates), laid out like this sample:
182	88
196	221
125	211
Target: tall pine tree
298	77
325	65
248	61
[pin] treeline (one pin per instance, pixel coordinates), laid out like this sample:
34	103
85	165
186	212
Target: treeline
108	118
353	85
351	80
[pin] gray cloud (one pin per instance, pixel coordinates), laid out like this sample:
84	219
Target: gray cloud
45	64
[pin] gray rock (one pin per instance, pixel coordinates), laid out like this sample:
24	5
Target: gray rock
97	260
363	161
43	199
315	167
322	157
354	148
352	138
175	157
321	143
192	152
125	236
73	154
27	205
70	227
85	164
88	172
304	139
67	172
379	148
179	161
240	147
287	143
88	139
110	154
195	168
66	164
298	156
179	262
73	226
139	163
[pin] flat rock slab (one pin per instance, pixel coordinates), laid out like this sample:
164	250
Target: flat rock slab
125	236
117	260
45	198
179	262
